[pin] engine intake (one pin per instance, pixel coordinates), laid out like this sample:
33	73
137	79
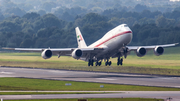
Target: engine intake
141	52
158	51
46	54
77	53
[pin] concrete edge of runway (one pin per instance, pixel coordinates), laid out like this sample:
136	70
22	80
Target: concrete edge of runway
124	94
93	71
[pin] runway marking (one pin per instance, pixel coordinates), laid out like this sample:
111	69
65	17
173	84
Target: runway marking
6	72
105	79
58	71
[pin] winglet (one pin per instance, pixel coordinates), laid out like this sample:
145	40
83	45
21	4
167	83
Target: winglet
80	39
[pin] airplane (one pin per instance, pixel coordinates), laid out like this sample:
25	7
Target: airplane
112	44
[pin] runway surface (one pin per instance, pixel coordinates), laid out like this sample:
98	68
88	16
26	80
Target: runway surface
124	94
115	78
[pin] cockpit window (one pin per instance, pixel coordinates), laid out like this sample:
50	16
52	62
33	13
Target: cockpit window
125	25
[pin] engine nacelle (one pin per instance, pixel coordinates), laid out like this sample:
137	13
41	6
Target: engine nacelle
46	54
77	53
141	51
158	51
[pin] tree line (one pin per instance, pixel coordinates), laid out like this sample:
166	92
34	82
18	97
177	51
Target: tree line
33	30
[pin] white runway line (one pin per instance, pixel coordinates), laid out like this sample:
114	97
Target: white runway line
105	79
56	71
6	72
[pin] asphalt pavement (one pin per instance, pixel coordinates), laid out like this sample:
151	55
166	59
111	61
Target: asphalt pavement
114	78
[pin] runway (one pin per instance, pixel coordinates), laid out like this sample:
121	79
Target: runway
114	78
124	94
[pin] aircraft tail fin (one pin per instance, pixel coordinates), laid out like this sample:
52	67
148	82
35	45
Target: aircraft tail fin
80	39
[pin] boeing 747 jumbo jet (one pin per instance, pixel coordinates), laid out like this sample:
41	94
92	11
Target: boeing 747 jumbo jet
112	44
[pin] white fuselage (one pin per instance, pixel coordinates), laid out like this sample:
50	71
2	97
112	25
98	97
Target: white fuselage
114	40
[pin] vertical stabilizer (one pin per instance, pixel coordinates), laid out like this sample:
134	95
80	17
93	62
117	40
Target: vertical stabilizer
80	39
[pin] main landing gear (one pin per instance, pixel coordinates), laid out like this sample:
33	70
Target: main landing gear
98	63
119	61
91	63
108	62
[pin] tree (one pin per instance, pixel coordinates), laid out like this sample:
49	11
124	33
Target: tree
9	26
31	16
140	8
15	11
67	17
51	20
47	6
41	12
163	22
26	43
93	18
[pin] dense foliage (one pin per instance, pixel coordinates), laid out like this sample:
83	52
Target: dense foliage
52	24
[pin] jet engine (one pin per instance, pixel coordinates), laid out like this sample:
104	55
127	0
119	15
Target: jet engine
141	52
46	54
77	53
158	51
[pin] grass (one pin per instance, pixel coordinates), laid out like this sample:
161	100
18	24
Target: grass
38	93
167	64
98	99
25	84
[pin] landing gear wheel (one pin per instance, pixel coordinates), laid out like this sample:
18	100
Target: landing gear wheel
106	63
100	63
120	61
97	63
90	63
109	63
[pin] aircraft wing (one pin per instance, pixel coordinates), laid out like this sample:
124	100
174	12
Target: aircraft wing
131	48
60	51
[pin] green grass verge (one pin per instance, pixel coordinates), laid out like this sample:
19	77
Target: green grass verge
24	84
98	99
